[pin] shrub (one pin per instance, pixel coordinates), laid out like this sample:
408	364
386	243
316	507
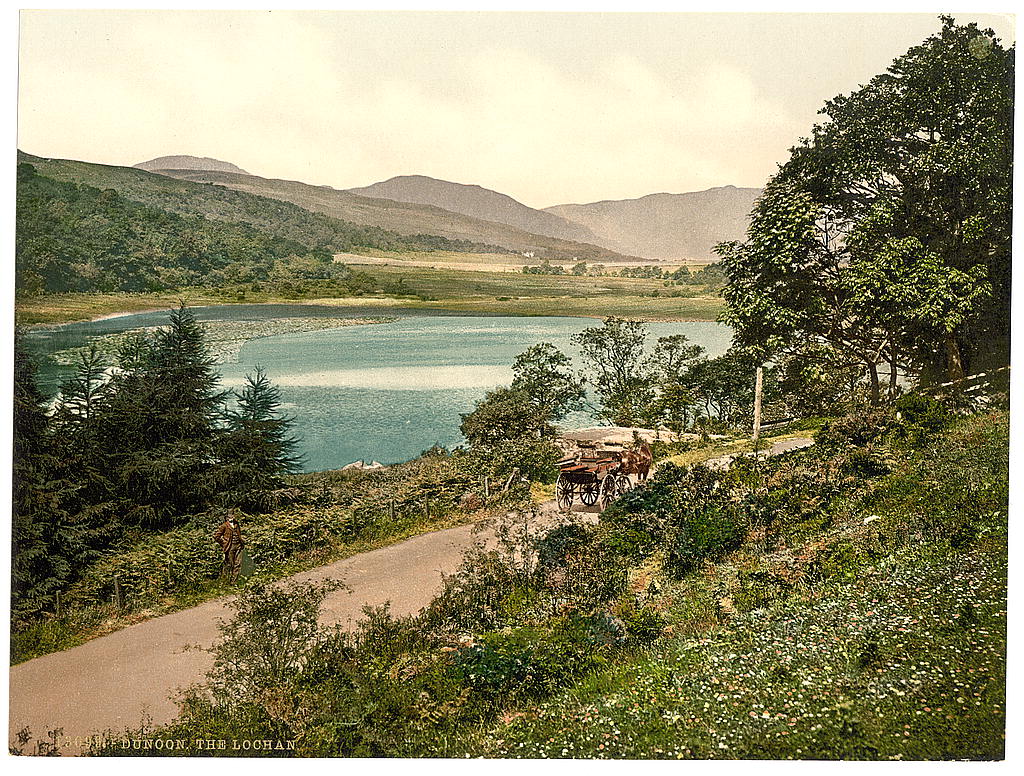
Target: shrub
555	546
530	661
919	417
865	463
642	623
708	534
853	431
759	588
534	458
840	561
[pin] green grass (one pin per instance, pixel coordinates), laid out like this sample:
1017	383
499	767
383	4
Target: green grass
863	616
84	623
471	292
872	629
891	666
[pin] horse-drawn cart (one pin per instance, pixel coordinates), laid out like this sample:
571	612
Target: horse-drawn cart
592	477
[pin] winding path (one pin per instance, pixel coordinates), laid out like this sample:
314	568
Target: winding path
121	680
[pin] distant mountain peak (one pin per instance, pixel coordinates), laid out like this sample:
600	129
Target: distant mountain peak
185	162
667	226
476	201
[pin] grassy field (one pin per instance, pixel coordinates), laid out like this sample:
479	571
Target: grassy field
518	294
871	629
443	258
499	293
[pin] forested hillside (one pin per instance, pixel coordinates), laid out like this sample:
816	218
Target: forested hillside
72	237
86	227
404	217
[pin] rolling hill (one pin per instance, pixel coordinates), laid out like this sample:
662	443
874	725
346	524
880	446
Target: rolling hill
477	202
667	226
274	217
407	218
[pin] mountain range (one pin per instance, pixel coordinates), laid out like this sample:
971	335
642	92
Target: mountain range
407	218
477	202
665	227
670	227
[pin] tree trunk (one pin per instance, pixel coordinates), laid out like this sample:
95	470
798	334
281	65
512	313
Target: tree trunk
892	376
954	361
873	372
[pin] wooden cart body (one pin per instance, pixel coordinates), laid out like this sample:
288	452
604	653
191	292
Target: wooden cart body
592	477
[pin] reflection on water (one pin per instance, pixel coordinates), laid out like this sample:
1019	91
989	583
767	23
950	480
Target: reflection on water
410	378
386	391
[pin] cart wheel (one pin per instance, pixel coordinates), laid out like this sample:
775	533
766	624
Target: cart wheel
565	491
590	492
623	484
608	491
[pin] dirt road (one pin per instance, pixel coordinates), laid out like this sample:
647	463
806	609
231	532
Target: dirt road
121	680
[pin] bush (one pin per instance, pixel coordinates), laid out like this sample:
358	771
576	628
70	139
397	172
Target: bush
853	431
534	458
531	662
554	547
186	560
707	535
642	623
920	417
840	561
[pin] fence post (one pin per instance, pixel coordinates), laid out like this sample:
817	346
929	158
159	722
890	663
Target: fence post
757	406
391	510
58	603
118	593
426	508
487	488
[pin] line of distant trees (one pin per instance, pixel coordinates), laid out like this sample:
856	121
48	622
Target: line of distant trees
709	275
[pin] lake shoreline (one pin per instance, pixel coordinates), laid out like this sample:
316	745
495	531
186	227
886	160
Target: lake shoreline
383	392
413	311
354	305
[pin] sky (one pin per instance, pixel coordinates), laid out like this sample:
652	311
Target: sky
548	108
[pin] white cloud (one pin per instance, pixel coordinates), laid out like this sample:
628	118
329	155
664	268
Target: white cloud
539	111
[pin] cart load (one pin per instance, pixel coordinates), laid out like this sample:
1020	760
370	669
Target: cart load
592	477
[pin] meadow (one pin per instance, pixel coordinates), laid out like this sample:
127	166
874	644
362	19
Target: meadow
843	602
421	288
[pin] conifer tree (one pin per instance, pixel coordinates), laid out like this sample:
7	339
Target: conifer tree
47	544
256	448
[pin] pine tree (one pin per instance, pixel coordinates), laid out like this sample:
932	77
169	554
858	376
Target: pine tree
161	423
256	448
47	546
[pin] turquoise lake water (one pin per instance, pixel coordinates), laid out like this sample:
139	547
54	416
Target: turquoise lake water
382	392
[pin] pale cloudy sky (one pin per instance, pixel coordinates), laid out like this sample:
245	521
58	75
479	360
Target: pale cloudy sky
548	108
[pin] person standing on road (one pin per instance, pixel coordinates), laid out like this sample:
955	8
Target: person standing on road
229	537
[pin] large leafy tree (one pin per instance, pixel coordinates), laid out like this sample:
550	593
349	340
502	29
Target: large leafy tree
886	236
613	355
505	414
545	374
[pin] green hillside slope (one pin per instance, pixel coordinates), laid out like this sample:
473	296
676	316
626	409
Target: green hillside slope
278	218
403	217
844	602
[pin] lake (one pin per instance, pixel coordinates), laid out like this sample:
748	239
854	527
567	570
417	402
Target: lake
382	392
